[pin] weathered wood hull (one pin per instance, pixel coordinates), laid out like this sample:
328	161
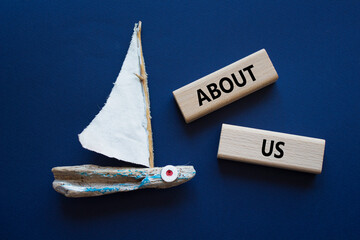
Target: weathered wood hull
92	180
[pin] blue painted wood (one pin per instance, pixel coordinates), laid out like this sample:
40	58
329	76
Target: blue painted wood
93	180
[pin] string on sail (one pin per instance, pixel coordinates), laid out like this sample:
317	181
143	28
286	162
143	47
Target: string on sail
122	129
143	78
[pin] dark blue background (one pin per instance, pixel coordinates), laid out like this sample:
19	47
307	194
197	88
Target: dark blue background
58	61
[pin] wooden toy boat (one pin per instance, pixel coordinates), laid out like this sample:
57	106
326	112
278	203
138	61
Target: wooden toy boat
121	130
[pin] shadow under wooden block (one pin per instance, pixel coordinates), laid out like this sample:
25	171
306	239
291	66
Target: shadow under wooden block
264	174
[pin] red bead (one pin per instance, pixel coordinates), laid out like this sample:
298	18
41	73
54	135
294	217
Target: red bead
169	173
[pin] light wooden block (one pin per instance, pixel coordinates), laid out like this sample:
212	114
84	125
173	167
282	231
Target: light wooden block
225	86
271	148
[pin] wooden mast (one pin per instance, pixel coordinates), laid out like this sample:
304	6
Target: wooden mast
144	83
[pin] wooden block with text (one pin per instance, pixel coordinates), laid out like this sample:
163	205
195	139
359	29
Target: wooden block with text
225	85
271	148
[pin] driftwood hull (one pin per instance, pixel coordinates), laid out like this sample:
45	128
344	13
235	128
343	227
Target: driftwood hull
92	180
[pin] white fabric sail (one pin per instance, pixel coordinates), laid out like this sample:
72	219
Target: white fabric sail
119	130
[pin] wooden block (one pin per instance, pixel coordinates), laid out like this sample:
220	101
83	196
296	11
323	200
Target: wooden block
271	148
225	85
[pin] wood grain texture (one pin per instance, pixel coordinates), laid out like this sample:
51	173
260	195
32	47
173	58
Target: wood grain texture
92	180
246	76
144	83
288	151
